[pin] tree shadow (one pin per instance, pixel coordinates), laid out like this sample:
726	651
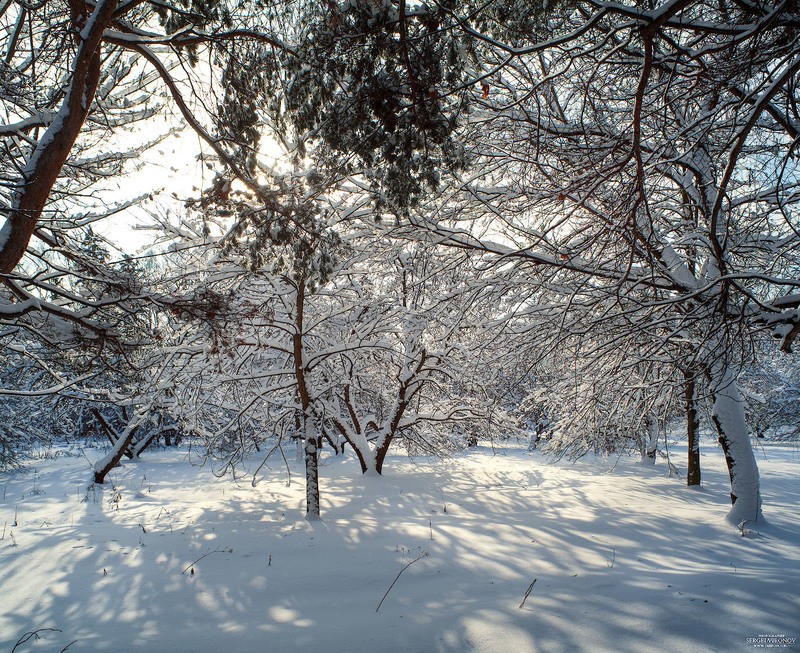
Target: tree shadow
168	558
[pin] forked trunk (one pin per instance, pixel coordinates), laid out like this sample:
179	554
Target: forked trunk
372	458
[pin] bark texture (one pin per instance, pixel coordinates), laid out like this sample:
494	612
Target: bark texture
729	420
50	155
692	431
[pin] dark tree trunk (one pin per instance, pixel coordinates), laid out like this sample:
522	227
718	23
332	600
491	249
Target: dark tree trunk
338	447
692	430
381	451
113	435
310	431
141	445
113	460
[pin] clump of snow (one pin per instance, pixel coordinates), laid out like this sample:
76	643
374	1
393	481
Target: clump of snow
167	557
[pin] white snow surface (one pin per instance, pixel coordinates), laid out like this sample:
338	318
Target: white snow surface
625	557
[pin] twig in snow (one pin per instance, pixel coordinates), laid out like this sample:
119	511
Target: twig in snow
168	513
613	557
422	555
34	634
227	550
528	592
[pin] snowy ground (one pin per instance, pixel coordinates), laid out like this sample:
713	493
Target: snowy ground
624	558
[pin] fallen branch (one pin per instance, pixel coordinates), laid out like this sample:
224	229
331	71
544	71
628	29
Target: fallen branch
424	554
33	634
228	550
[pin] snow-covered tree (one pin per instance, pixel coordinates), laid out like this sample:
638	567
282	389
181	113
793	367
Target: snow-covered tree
642	156
384	347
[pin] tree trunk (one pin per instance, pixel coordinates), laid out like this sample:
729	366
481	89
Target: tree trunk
729	420
45	164
362	458
313	439
103	466
312	470
358	442
114	436
692	430
651	444
380	452
336	442
141	445
298	438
